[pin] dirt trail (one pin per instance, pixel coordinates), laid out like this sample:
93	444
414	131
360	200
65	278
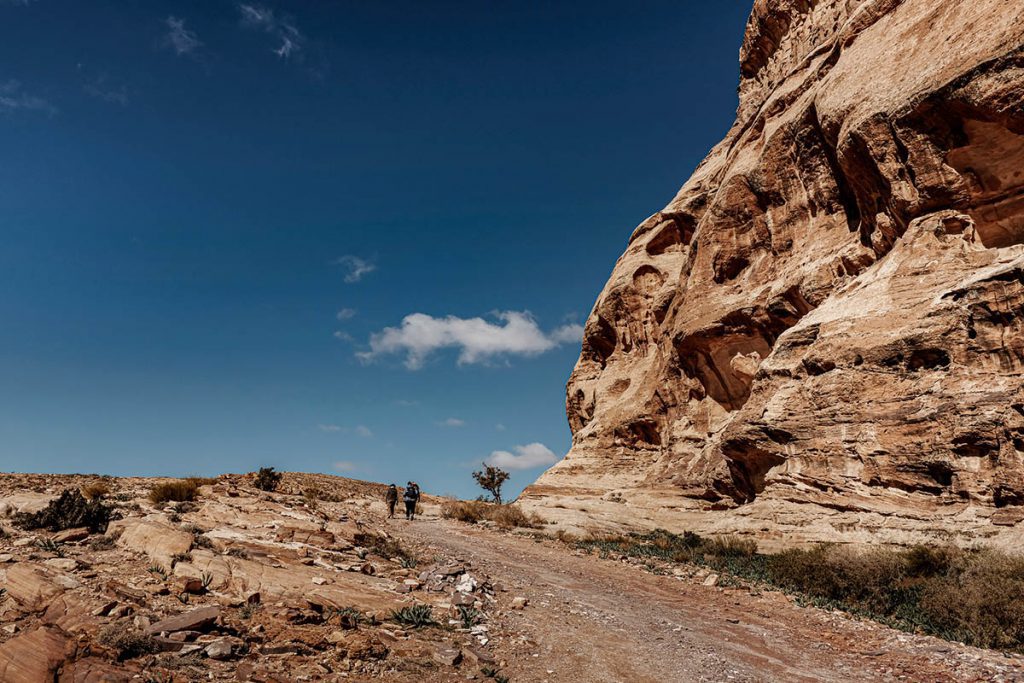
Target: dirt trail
603	620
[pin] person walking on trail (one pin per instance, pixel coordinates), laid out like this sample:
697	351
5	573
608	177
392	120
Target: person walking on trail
391	498
411	497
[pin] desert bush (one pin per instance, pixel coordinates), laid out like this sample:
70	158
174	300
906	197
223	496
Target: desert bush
977	600
415	616
469	511
203	541
180	557
267	479
101	543
177	490
95	491
69	511
512	516
126	643
385	547
506	516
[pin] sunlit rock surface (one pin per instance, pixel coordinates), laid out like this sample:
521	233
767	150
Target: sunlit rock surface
820	338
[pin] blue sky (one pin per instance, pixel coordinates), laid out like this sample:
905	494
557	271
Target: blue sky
350	237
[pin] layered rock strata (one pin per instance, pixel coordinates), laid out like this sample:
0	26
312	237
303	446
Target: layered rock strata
821	338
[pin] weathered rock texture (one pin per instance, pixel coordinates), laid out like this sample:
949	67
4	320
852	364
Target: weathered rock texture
821	338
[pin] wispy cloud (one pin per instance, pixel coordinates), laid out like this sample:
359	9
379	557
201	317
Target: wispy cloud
358	430
180	39
345	466
346	314
288	39
478	340
499	427
406	403
525	457
452	422
344	336
101	88
14	98
22	3
356	268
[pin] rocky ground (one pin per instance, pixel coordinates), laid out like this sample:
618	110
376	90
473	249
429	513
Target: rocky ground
298	585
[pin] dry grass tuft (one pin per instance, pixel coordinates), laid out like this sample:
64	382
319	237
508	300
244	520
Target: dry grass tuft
178	490
507	516
95	491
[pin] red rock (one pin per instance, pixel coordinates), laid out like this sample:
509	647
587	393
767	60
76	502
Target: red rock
32	586
71	535
197	620
34	657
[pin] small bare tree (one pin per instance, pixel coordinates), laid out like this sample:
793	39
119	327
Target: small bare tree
491	480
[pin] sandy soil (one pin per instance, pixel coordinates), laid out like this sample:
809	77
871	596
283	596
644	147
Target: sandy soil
590	619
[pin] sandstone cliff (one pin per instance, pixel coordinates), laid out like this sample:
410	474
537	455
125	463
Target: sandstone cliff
820	338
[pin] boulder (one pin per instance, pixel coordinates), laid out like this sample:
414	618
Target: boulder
71	535
196	620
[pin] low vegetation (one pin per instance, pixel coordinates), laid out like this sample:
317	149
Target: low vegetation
126	643
965	595
414	616
506	516
69	511
96	490
179	490
386	547
267	479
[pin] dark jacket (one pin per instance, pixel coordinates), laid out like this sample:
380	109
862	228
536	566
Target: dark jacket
392	495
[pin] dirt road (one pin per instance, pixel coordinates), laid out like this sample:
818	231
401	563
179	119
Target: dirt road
603	620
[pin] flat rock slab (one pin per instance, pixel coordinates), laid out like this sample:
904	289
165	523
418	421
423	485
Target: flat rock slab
157	539
33	657
33	586
197	620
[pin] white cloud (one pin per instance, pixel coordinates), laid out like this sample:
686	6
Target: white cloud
329	428
525	457
499	427
452	422
346	314
406	403
179	38
355	268
478	340
341	335
364	431
14	98
344	466
283	29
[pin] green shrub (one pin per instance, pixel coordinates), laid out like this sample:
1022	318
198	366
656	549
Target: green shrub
415	616
69	511
267	479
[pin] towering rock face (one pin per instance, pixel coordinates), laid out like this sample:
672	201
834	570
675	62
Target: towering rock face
821	338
